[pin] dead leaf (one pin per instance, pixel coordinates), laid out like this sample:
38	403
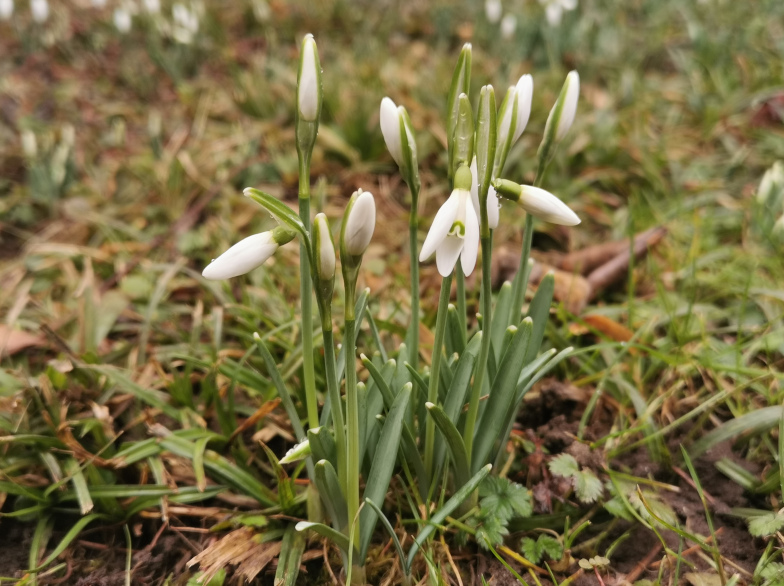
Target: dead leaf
13	341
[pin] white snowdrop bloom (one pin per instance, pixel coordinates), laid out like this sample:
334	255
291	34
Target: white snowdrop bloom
525	92
39	10
98	3
508	26
493	206
122	20
493	10
242	258
6	9
554	9
455	231
152	6
390	129
538	202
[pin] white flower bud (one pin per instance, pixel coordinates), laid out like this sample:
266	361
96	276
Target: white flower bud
39	10
493	10
569	109
360	223
308	83
152	6
525	92
122	20
29	144
325	248
508	26
390	128
241	258
6	9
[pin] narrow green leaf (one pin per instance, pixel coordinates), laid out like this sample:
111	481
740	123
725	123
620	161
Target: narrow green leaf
72	534
391	530
280	210
753	422
322	444
440	515
326	531
500	318
198	463
290	557
80	486
329	489
285	486
501	395
539	311
383	466
454	331
453	441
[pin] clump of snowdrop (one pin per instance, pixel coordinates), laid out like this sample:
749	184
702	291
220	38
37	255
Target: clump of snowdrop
185	23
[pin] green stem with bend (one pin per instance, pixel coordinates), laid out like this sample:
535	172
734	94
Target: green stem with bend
435	367
352	411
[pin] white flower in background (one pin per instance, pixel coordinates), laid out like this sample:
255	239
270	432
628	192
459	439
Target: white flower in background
29	144
493	206
493	10
186	23
455	230
308	82
554	9
39	10
772	184
537	202
360	224
525	92
6	9
152	6
98	3
122	20
508	26
243	257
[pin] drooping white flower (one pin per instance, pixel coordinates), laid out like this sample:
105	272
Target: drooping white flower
565	108
39	10
308	82
493	10
98	3
525	92
122	20
508	26
242	258
538	202
185	23
360	223
554	9
6	9
454	232
493	205
152	6
390	129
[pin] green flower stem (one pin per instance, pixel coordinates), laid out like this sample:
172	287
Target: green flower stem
352	411
413	328
520	283
334	396
484	351
461	302
306	298
435	367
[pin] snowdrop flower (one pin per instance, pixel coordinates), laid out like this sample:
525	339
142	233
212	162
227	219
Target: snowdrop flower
772	184
455	229
6	9
98	3
554	9
493	10
152	6
122	20
358	225
39	10
399	138
492	199
324	248
537	202
508	26
29	143
308	83
247	254
186	23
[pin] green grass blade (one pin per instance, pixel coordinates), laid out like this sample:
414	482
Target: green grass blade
290	557
753	422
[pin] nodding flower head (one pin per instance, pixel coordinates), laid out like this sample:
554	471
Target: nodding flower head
455	229
247	254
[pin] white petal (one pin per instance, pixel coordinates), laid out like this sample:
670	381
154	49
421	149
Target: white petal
474	187
493	10
241	258
506	122
570	105
360	224
447	253
326	249
508	26
470	242
440	227
553	12
390	128
307	85
525	92
492	208
546	206
568	4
